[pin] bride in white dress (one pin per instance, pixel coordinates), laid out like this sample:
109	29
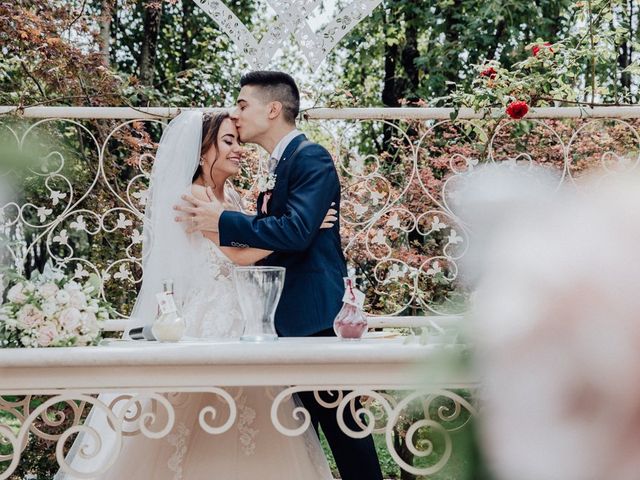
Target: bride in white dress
197	153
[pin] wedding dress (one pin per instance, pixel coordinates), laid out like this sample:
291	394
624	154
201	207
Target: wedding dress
252	448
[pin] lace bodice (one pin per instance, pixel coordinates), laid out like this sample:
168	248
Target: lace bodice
211	305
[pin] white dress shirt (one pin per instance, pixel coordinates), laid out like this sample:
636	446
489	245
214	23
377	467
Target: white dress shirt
282	145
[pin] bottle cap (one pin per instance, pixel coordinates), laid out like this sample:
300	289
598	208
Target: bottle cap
352	295
167	285
166	302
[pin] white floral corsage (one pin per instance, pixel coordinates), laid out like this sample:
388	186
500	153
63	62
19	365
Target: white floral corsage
266	182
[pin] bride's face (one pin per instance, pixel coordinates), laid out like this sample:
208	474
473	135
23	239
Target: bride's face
223	160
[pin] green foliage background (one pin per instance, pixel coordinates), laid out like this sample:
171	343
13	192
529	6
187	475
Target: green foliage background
408	52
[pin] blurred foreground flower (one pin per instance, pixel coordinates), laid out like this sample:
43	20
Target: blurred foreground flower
557	323
15	161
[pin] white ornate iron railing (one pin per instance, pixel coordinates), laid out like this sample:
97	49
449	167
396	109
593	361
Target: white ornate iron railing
80	205
430	416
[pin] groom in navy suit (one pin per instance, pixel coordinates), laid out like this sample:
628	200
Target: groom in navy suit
303	184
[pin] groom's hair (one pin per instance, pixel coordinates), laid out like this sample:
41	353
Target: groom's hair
276	87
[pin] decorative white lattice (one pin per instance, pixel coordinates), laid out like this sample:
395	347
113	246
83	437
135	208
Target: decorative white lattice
403	237
291	20
59	418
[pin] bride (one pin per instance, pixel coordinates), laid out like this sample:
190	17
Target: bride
197	152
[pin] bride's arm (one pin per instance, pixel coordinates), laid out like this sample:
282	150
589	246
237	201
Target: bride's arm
239	256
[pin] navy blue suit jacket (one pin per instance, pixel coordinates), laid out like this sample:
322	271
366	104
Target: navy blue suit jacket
306	185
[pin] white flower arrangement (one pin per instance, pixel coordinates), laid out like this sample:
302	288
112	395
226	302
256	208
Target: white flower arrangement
52	311
266	182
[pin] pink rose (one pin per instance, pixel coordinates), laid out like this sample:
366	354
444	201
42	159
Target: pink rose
70	318
63	297
77	299
49	308
89	319
48	290
30	316
46	335
90	326
16	294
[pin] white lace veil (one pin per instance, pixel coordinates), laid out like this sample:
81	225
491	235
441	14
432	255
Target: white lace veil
167	251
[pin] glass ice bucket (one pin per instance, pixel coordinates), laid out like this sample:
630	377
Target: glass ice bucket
259	290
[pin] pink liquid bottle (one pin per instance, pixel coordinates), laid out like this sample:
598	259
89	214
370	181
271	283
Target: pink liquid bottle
351	322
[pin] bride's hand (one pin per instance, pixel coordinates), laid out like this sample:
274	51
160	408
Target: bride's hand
330	218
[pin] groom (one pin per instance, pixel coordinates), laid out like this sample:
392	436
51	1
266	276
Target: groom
303	184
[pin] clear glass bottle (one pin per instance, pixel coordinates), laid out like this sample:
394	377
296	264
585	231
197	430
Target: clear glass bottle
169	326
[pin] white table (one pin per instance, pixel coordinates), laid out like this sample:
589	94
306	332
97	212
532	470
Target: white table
137	369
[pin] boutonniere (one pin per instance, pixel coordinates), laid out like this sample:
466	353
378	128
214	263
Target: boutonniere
266	184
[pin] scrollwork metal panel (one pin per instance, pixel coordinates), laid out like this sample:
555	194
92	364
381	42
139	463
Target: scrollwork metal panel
80	206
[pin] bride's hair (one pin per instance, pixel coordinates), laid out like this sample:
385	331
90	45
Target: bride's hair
211	123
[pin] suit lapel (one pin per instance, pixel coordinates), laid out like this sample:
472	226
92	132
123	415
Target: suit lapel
293	145
291	148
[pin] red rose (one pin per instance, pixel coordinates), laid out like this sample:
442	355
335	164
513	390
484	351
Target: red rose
517	109
536	48
489	72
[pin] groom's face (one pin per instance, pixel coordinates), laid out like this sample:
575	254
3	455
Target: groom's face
251	114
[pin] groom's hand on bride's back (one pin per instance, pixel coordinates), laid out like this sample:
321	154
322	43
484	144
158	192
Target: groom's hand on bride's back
199	215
